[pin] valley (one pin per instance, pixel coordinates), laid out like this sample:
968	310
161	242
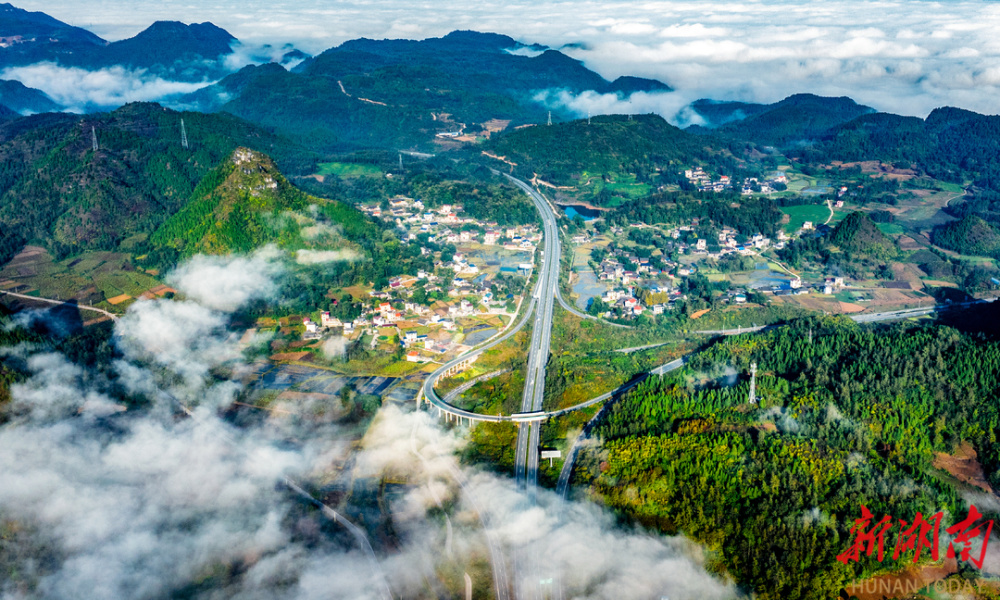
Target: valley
412	318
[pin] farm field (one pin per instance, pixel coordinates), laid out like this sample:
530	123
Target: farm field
90	278
816	213
345	170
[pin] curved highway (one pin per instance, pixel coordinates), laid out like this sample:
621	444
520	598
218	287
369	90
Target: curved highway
572	309
436	401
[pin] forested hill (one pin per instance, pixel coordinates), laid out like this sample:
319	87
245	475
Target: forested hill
796	119
859	237
847	415
400	93
22	99
639	145
950	144
969	235
239	206
167	48
55	189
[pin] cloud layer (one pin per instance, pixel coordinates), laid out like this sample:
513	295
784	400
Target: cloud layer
147	502
901	56
81	90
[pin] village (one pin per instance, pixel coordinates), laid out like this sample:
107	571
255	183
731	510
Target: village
475	288
752	185
643	270
481	270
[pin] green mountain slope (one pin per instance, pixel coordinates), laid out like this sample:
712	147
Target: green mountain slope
970	235
951	144
859	237
245	203
801	117
240	205
608	144
20	98
55	189
400	93
167	48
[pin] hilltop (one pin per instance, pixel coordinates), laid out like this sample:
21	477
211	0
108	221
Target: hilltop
37	29
22	99
797	118
167	48
56	189
240	205
859	237
401	93
970	235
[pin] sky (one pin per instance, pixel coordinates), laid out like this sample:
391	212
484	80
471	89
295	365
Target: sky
906	57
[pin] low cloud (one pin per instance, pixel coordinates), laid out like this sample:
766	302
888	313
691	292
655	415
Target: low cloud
147	502
670	104
312	257
82	90
227	282
886	55
334	347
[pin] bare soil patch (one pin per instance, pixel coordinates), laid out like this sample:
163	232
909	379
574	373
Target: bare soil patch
964	466
848	308
908	244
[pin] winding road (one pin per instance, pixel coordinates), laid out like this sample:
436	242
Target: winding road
113	316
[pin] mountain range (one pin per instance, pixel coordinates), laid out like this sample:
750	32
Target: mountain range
456	95
166	48
401	93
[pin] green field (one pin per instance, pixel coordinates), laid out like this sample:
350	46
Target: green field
109	272
797	215
345	170
890	228
624	185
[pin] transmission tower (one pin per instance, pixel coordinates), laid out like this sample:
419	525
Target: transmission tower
588	117
400	161
550	117
93	137
184	136
753	383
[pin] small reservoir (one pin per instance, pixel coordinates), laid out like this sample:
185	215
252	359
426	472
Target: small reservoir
585	213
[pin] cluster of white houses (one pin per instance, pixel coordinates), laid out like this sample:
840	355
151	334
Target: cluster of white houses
706	183
446	224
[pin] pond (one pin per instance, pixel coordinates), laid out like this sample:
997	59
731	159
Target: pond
587	214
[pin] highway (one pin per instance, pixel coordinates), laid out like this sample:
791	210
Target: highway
572	309
431	395
526	463
526	577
